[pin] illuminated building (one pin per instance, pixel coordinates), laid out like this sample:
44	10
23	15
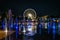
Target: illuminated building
16	27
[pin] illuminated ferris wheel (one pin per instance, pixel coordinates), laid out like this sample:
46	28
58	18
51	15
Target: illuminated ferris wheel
30	13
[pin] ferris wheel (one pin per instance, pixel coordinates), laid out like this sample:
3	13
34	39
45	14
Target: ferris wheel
30	13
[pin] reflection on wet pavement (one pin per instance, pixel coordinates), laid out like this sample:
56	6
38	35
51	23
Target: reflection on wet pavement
27	38
3	34
43	36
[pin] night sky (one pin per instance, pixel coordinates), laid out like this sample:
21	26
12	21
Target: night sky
42	7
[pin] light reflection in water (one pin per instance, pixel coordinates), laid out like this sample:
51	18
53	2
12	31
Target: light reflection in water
54	30
3	25
40	27
27	38
59	27
48	27
29	29
16	28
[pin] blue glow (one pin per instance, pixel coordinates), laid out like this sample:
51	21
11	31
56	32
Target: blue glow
48	27
29	26
21	27
16	28
40	19
40	27
11	25
16	31
29	31
3	25
54	30
59	27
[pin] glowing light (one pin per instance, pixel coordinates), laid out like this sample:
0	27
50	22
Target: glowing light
59	27
16	32
30	29
21	27
29	15
6	31
57	20
45	25
24	30
3	24
40	27
16	25
35	29
53	19
11	25
32	19
36	23
54	30
48	27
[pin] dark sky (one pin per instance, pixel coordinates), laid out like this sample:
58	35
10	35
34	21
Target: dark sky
42	7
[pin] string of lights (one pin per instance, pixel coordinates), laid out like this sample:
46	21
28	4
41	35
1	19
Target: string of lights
29	27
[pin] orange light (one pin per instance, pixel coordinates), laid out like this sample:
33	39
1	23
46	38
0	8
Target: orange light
6	31
57	20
